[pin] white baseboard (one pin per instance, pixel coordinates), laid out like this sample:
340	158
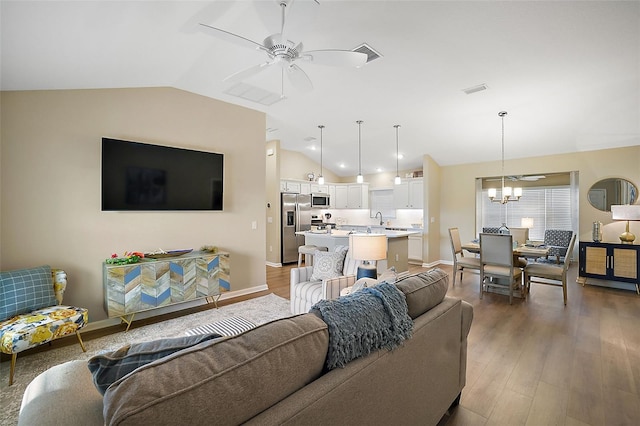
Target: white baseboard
274	265
97	325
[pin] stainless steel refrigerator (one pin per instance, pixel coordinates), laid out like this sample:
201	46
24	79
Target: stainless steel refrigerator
296	216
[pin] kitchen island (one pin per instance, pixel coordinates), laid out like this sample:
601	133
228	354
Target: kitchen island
397	245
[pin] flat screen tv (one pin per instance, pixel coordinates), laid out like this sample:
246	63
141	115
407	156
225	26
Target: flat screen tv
140	176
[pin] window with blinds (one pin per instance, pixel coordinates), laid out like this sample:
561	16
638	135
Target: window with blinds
550	208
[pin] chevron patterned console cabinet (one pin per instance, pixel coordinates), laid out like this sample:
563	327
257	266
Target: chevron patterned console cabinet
154	283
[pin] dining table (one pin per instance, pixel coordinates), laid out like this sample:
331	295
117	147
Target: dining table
533	250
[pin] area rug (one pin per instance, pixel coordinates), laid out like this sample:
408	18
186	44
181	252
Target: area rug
257	311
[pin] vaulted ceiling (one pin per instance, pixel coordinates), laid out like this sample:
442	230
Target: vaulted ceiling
567	73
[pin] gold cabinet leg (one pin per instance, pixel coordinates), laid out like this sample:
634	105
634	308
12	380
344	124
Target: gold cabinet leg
214	299
127	321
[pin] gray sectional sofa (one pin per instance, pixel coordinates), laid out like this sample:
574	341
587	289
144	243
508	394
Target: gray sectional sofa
276	374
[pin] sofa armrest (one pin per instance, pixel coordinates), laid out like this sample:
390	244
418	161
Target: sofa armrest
332	287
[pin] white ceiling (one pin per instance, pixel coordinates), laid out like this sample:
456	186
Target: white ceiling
568	73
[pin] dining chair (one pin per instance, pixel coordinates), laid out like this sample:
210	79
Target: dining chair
496	264
520	236
460	261
557	240
549	274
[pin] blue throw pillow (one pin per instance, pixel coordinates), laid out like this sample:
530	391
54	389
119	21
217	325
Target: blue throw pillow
25	290
108	367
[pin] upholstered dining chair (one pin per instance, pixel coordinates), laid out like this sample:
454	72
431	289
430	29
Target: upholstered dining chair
460	261
558	241
544	273
497	267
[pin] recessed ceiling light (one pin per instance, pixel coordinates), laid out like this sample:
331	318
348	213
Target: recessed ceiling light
342	166
400	156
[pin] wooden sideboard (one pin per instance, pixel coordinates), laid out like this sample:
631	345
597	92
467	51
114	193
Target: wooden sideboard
610	261
154	283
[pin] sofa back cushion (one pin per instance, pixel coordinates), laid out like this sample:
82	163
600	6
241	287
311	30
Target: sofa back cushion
25	290
228	380
424	291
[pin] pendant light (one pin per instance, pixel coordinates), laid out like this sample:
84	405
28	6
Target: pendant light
359	178
397	180
321	178
508	193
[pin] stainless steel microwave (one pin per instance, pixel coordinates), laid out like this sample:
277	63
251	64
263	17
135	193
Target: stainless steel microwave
320	201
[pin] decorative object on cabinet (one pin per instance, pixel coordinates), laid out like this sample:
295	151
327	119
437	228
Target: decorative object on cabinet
607	192
397	179
129	289
609	261
629	212
320	177
359	178
596	233
368	247
507	193
171	253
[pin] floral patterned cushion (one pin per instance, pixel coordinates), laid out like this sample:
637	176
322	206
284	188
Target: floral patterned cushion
40	326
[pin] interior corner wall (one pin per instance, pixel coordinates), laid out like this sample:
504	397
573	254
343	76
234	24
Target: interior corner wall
50	189
272	205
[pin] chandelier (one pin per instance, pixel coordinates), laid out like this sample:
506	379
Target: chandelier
508	193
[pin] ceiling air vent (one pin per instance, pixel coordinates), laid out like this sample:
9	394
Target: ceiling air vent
475	89
369	51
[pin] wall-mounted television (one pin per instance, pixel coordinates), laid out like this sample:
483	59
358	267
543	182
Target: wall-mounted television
140	176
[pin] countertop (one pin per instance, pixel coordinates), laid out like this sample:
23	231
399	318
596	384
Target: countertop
339	233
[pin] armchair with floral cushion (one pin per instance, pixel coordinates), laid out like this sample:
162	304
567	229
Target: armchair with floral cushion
31	313
331	272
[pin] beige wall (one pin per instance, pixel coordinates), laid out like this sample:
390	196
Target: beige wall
50	188
295	165
458	188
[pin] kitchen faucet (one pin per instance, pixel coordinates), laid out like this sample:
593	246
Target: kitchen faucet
379	213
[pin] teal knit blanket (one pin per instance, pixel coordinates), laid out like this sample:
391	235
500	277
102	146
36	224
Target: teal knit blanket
363	322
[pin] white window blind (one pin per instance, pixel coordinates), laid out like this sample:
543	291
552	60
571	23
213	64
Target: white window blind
550	208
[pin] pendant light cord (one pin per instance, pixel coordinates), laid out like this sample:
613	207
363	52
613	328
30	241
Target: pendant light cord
397	149
359	148
321	127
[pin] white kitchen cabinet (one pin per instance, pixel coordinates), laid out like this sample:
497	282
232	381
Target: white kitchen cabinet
358	197
415	248
290	186
332	196
342	197
409	194
319	189
306	188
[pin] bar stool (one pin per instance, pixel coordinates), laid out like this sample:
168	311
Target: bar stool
308	251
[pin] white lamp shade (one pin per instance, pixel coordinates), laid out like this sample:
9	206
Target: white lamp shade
517	192
320	180
493	192
506	191
526	222
359	179
625	212
368	246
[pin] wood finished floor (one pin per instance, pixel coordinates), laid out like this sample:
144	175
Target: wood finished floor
539	363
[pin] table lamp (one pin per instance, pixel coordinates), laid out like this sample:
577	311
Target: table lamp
367	247
628	212
526	222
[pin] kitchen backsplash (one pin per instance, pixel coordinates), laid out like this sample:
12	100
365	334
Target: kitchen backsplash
404	218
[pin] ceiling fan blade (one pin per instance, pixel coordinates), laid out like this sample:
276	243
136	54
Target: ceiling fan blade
231	37
336	58
299	79
249	72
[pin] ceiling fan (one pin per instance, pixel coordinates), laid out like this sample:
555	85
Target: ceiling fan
529	178
286	53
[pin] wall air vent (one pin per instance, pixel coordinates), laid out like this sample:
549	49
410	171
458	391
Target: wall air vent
475	89
254	94
369	51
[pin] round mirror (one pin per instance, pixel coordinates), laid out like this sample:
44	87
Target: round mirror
610	191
